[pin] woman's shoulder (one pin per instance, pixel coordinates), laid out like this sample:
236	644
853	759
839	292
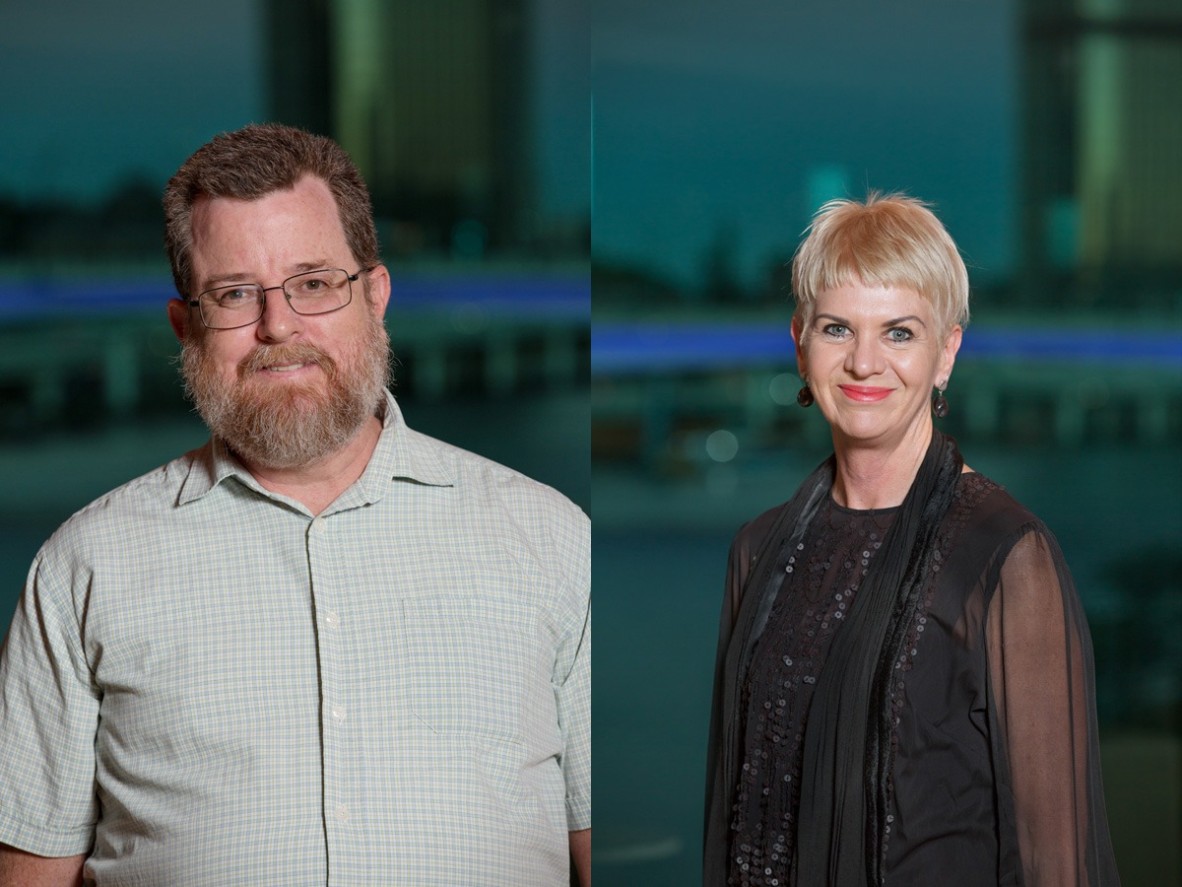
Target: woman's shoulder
986	522
750	534
987	506
747	546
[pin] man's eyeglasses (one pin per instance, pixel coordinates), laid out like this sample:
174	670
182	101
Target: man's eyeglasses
241	304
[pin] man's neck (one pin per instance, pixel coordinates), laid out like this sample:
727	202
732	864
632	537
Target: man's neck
318	484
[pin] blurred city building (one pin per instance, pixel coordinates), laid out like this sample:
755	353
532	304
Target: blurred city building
432	102
1100	204
1102	138
435	101
444	105
1068	390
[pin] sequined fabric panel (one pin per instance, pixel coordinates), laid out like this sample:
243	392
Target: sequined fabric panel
821	577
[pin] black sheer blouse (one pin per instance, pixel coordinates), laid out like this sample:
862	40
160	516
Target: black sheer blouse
995	776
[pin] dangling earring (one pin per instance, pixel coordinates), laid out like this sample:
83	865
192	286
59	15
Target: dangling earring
804	396
940	404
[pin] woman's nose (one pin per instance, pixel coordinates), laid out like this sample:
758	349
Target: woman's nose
863	358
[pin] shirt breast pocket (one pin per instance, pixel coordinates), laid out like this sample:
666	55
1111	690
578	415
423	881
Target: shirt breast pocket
465	664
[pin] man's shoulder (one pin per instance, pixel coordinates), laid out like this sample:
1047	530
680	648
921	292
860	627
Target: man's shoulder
479	478
131	507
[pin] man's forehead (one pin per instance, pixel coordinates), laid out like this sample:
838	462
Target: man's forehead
308	199
308	185
296	226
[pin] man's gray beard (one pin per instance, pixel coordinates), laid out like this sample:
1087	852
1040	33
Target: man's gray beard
289	425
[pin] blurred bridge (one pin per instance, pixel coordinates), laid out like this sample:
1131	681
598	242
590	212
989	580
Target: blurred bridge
660	390
105	347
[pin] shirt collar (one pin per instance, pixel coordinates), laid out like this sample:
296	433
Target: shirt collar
400	454
404	454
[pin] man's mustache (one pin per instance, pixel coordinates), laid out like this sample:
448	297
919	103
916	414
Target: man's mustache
265	356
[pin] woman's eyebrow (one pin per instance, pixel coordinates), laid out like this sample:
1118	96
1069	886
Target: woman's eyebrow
889	323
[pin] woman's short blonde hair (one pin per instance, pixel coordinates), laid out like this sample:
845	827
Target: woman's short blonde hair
889	240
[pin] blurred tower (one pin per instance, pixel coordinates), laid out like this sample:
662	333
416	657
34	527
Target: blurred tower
299	70
430	99
1102	177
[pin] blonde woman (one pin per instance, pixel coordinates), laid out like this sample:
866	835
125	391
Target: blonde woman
904	691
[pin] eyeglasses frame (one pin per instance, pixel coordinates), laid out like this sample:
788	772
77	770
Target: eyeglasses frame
350	279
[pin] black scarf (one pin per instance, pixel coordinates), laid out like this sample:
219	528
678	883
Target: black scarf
846	755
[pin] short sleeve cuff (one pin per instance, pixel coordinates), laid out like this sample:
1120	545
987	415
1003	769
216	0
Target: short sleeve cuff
44	841
578	814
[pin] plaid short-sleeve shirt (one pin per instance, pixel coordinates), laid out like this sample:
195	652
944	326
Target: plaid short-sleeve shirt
205	684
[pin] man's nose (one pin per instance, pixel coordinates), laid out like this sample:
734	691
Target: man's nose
278	322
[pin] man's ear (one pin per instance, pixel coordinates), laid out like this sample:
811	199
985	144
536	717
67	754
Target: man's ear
179	316
379	290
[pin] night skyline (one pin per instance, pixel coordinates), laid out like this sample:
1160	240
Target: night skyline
739	118
102	95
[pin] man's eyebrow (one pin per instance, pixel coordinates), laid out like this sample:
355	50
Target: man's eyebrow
315	265
242	277
222	279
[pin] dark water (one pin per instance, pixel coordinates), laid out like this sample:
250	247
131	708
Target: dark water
44	481
659	558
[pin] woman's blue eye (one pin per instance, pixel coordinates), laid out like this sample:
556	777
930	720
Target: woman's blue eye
834	329
900	334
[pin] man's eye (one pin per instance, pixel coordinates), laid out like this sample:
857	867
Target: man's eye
229	298
310	286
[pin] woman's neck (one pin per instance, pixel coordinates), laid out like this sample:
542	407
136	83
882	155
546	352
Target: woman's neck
878	475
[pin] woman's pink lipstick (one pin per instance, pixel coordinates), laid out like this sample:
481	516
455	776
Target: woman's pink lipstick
864	393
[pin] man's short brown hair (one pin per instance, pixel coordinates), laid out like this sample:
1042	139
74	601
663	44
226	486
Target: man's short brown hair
253	162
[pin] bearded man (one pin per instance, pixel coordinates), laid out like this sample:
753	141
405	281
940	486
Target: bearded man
323	648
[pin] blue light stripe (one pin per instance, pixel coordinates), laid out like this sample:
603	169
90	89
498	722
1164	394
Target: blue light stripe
547	296
618	349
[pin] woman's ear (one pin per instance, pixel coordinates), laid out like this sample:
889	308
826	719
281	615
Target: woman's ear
948	355
797	332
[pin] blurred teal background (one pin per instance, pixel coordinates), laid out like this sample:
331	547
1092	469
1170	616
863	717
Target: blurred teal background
1048	133
1048	136
469	121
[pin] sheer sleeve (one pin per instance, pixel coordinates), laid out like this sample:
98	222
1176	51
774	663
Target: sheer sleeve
739	563
1043	721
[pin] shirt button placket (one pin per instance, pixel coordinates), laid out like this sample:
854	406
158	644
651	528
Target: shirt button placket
330	640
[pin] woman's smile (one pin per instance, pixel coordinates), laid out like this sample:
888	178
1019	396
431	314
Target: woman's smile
864	393
872	356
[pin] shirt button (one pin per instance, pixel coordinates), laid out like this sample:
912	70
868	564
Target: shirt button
332	618
342	813
338	713
319	524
